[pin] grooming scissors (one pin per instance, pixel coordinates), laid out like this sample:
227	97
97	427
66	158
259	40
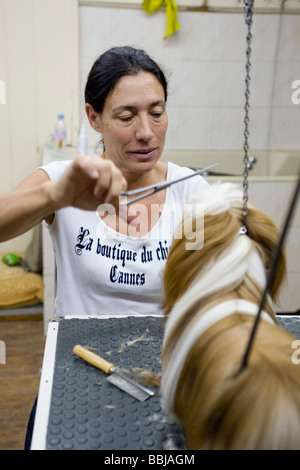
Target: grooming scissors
154	188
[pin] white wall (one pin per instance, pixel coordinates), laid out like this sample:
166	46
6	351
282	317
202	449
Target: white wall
206	60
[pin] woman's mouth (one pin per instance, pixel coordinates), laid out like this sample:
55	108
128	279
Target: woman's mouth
143	152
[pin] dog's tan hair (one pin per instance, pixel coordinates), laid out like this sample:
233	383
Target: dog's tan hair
220	285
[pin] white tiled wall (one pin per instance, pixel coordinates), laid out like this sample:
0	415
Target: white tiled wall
206	65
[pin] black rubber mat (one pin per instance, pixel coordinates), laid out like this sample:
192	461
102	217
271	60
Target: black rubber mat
89	413
291	324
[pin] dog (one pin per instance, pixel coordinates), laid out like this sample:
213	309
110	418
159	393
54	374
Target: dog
212	296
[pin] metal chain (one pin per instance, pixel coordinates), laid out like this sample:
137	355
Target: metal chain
248	12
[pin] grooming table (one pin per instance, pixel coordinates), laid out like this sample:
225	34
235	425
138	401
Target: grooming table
79	409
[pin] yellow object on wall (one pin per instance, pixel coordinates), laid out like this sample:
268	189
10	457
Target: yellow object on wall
150	6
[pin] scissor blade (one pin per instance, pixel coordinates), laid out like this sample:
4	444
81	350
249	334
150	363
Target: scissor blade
160	186
134	389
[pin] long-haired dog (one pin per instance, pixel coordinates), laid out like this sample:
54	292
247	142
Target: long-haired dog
212	295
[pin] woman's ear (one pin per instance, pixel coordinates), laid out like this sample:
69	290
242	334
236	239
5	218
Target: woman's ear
93	117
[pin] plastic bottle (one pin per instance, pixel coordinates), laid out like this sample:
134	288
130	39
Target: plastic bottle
82	141
60	133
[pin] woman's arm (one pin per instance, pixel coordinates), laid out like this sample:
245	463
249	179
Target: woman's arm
26	206
87	183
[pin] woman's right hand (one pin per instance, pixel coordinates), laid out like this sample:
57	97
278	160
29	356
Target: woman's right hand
87	183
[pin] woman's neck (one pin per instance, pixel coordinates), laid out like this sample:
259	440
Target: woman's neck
139	180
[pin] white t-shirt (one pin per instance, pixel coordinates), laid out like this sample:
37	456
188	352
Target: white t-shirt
99	270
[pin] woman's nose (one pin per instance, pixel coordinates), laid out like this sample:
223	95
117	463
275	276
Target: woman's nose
143	129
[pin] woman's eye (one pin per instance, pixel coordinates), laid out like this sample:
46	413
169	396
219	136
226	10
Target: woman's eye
157	114
125	118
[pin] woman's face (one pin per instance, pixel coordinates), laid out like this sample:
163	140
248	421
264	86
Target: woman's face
134	122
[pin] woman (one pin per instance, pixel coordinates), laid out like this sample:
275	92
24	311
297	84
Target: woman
110	261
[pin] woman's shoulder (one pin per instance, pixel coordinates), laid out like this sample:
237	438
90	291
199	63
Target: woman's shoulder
186	189
176	171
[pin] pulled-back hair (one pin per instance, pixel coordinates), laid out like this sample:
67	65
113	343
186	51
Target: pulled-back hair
114	64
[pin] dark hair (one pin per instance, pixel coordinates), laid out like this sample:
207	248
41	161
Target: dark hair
114	64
